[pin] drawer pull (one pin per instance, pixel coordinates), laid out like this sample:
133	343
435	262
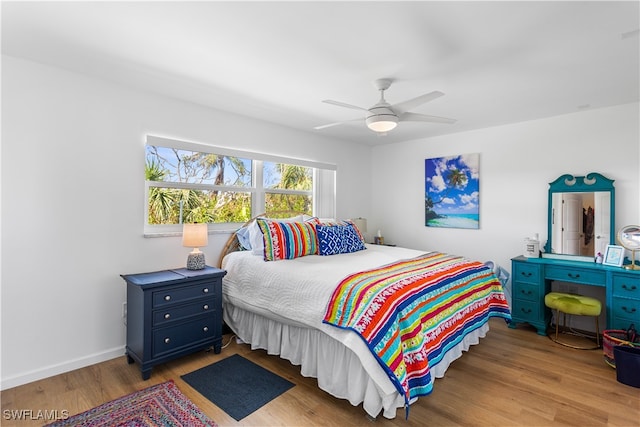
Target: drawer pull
573	276
527	311
167	340
629	310
206	307
206	329
528	292
526	274
629	288
205	290
167	298
166	316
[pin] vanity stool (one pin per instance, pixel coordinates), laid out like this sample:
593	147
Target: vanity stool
576	305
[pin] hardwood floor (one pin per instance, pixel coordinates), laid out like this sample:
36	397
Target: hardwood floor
512	378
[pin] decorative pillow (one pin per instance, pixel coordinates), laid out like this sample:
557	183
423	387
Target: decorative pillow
244	236
257	239
339	239
287	240
343	222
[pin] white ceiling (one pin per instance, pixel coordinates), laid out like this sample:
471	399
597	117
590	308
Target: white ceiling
496	62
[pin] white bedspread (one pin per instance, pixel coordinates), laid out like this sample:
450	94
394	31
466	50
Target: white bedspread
298	289
296	292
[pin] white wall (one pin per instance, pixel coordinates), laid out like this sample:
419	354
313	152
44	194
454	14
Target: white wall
73	201
516	164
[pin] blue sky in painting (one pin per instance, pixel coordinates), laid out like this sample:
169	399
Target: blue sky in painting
453	200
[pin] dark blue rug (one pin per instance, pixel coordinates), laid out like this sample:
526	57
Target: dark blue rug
237	386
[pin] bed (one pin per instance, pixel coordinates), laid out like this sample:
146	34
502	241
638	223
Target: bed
298	303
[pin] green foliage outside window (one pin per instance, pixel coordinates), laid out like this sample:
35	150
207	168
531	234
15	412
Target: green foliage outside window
229	198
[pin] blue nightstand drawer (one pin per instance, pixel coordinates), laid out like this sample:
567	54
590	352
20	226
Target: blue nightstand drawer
166	340
173	313
626	286
529	273
174	295
576	275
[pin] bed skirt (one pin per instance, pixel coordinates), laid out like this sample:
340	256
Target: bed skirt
338	370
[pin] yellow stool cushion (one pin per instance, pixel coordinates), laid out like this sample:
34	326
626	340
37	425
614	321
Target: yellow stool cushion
573	304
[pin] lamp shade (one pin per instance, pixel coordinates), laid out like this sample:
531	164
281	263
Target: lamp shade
195	235
361	223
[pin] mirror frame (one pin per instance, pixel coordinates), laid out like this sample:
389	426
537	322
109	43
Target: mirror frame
580	184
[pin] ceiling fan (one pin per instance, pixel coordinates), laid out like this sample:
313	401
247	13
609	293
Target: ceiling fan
384	117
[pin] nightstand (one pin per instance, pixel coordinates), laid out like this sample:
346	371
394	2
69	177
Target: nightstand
172	313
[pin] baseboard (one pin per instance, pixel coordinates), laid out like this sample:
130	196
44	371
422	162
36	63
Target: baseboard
50	371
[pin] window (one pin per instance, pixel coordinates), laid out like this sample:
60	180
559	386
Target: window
188	182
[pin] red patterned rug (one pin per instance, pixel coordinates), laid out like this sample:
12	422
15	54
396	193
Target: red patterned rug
159	405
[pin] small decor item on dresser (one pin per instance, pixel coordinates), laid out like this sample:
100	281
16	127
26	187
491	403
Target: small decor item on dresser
195	236
532	247
613	256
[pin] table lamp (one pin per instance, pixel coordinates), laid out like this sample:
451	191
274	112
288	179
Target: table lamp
361	223
195	236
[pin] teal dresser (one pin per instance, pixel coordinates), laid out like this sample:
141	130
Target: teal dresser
531	281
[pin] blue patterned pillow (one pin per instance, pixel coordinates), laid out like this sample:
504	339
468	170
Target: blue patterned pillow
338	239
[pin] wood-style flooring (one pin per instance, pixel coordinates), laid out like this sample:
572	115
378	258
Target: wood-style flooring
514	377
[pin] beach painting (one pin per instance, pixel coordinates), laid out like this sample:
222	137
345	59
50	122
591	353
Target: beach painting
452	191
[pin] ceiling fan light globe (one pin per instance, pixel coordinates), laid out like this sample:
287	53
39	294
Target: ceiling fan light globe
382	122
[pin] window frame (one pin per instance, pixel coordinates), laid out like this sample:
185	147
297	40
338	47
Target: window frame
323	192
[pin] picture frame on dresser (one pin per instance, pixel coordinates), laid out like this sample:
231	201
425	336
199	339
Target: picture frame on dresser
613	256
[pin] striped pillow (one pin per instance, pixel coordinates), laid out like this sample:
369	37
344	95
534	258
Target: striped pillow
287	240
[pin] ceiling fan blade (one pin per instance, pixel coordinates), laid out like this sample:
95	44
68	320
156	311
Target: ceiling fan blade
336	123
343	104
410	104
415	117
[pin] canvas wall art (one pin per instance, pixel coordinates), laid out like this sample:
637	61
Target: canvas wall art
452	191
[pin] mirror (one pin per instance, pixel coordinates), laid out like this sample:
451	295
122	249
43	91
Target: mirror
581	215
629	238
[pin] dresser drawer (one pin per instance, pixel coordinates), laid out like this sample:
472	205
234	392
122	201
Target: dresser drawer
172	313
168	339
576	275
526	311
626	286
627	308
528	273
174	295
526	291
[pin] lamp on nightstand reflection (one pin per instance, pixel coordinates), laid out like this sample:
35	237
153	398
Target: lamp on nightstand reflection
195	236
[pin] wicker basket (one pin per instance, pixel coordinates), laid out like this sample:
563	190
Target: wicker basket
612	338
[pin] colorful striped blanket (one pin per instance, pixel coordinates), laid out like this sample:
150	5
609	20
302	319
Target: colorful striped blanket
411	312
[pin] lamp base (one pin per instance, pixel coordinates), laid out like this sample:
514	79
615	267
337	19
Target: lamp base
195	261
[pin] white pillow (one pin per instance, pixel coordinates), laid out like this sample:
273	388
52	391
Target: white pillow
243	237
